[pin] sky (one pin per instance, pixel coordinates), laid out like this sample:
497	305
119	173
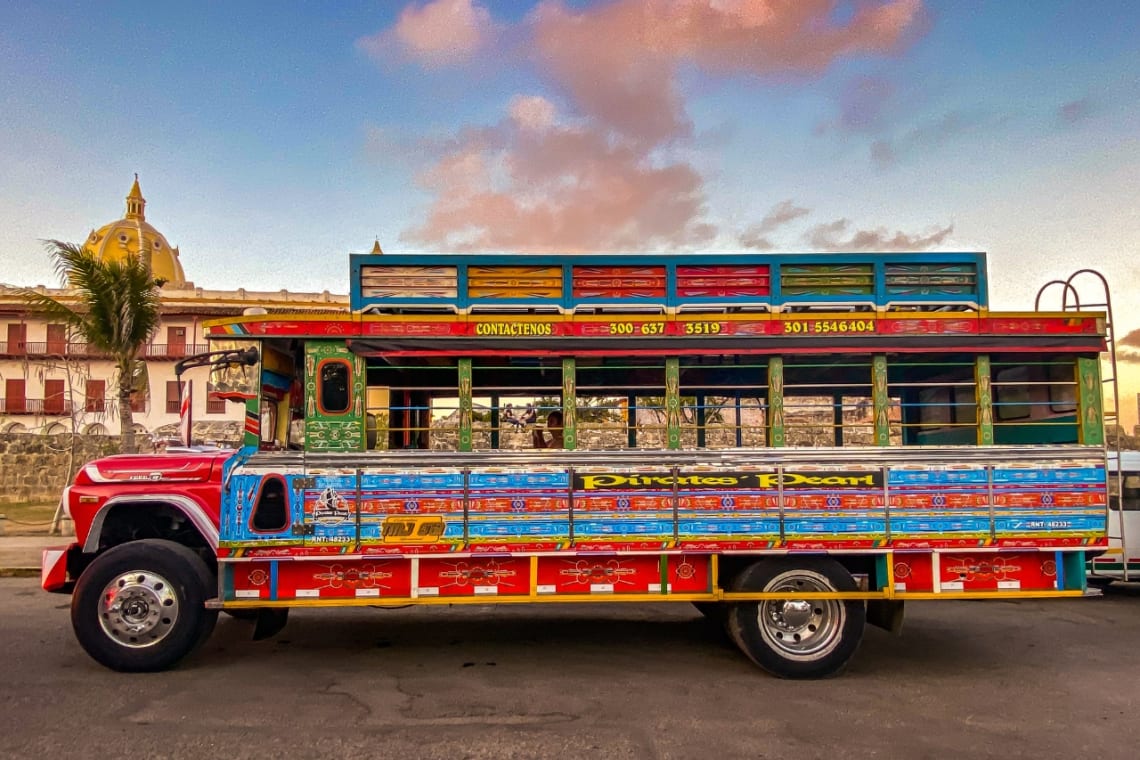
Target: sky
272	139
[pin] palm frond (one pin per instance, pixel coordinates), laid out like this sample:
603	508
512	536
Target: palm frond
52	308
118	307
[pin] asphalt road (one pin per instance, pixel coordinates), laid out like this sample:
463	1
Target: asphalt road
1050	679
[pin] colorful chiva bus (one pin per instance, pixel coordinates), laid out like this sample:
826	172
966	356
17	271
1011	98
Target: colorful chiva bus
797	444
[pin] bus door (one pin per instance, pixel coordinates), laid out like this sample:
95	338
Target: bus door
329	489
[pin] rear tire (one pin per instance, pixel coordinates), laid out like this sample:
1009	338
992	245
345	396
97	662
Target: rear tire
140	606
797	638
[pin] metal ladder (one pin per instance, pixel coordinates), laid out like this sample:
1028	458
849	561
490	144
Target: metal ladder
1071	301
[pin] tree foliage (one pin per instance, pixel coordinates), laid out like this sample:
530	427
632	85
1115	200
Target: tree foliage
115	308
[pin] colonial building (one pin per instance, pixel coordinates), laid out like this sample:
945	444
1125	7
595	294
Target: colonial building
51	382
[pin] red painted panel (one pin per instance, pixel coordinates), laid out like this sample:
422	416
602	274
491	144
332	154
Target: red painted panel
619	282
599	575
724	546
933	326
517	546
913	572
993	572
723	282
688	573
427	505
960	572
409	549
412	328
474	576
344	579
939	543
251	580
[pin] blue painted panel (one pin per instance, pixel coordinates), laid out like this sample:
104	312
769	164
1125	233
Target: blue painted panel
622	526
838	526
1057	475
1054	523
936	477
406	481
902	527
522	480
731	527
519	527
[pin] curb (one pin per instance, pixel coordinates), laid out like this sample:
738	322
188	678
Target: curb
19	572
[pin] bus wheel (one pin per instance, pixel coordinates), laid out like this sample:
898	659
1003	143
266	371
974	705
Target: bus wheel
140	606
797	638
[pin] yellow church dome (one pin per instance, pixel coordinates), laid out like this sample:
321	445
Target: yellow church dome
117	240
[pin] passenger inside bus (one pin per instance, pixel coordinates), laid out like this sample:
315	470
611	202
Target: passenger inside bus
554	427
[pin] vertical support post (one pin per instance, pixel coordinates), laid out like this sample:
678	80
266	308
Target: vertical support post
776	401
673	403
1090	404
985	400
737	421
837	419
252	429
631	421
356	507
464	443
569	403
701	438
880	400
496	422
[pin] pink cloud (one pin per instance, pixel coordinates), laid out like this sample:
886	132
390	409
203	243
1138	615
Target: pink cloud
781	214
619	61
1131	340
601	176
438	33
532	185
834	236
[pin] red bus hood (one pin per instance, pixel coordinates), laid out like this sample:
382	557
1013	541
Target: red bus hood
189	467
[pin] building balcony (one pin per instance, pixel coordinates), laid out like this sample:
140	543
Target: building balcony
33	348
40	407
49	349
173	350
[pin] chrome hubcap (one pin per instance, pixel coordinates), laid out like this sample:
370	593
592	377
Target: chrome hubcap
138	609
801	629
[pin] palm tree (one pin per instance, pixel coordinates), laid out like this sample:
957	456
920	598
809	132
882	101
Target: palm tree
116	312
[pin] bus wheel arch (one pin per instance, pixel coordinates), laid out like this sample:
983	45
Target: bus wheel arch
797	638
132	519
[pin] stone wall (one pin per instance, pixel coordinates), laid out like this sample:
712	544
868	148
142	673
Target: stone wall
35	467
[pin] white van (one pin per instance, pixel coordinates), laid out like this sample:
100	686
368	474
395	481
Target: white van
1123	523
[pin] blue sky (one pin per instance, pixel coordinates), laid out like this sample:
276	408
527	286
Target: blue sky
272	139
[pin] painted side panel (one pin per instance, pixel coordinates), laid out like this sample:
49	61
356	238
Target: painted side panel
556	508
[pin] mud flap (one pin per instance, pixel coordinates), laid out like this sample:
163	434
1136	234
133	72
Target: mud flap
886	614
269	622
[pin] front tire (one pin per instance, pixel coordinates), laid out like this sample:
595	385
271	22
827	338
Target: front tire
797	638
140	606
